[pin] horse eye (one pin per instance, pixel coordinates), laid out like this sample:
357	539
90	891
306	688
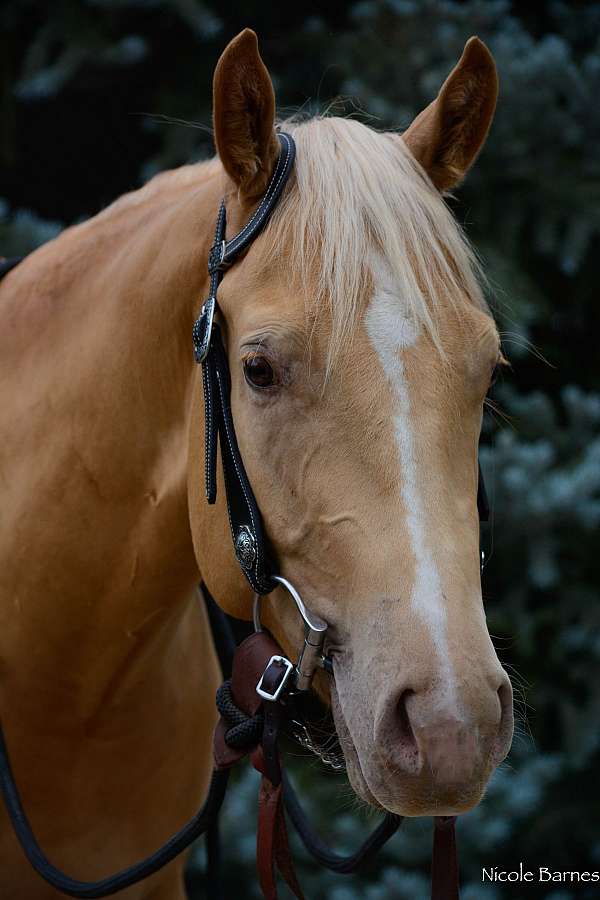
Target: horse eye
258	371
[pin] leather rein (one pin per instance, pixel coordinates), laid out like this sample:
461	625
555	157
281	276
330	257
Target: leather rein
263	696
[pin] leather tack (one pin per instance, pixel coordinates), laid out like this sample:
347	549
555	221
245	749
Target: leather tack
250	661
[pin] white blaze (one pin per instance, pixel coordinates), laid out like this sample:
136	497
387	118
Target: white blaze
391	332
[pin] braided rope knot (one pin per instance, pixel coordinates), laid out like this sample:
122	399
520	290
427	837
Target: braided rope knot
244	731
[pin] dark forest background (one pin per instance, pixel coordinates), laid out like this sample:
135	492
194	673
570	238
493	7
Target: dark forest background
95	97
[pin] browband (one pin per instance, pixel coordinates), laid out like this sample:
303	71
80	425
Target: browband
244	516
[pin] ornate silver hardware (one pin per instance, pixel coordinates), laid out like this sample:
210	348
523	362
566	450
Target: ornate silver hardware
245	547
202	330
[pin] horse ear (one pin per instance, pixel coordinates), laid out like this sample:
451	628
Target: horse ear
244	115
447	136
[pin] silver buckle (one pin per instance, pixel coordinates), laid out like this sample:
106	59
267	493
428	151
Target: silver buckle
289	668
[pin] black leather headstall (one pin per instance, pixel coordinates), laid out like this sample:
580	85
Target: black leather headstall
249	540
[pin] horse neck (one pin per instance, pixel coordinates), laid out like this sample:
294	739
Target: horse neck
95	387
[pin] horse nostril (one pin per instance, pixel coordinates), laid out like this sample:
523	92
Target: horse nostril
406	748
405	728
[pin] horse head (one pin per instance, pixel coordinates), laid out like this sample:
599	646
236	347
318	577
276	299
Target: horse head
361	350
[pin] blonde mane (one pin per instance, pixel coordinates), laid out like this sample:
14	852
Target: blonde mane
356	191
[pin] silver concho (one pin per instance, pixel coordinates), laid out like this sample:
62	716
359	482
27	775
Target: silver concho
245	547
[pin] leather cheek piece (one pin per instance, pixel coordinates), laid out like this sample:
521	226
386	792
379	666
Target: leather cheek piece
244	516
243	511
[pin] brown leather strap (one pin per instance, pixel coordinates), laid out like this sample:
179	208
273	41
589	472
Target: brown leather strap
273	719
268	808
444	861
272	844
269	802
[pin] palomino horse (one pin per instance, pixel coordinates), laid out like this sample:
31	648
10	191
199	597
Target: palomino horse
361	351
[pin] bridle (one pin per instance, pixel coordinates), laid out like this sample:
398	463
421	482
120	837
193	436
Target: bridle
264	692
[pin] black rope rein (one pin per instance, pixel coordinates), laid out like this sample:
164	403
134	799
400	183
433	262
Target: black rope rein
198	825
319	850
